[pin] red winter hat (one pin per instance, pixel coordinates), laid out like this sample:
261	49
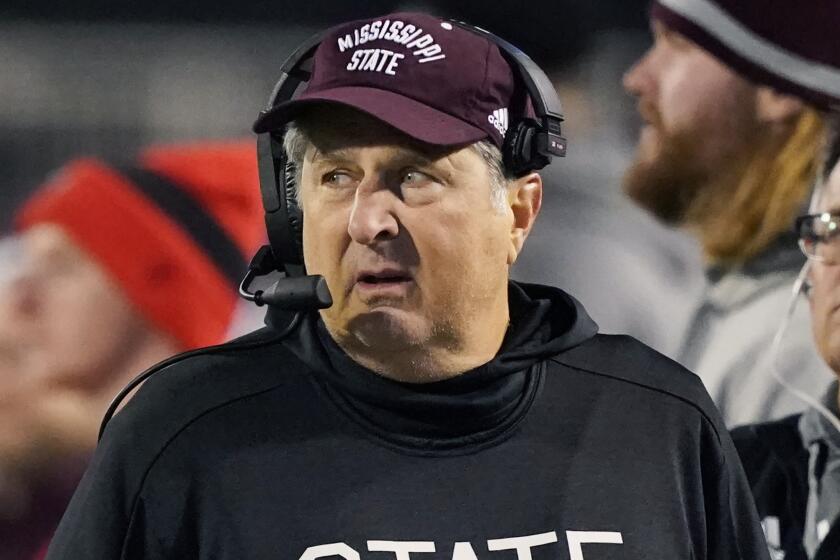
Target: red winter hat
174	231
790	46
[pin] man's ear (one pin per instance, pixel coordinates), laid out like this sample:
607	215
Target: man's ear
773	107
525	200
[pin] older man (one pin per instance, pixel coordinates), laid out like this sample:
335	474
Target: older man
733	94
435	409
794	464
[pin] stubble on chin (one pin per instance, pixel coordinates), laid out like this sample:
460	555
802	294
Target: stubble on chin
667	182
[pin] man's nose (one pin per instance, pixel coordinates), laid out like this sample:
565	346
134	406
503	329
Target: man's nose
637	80
372	218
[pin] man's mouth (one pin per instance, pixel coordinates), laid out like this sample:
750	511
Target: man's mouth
383	280
649	114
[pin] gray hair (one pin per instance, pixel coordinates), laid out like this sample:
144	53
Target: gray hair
832	152
295	143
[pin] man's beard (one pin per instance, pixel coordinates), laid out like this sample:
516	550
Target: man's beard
668	183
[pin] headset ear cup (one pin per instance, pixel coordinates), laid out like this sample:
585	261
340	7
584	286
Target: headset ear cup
509	148
293	210
283	218
517	152
521	150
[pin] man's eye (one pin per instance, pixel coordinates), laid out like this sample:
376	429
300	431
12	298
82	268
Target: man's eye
415	178
829	233
338	179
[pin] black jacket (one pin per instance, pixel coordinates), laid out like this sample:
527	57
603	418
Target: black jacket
568	444
776	463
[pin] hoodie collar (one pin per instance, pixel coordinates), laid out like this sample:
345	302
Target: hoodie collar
472	407
732	287
814	427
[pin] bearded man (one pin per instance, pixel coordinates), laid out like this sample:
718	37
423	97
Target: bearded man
733	95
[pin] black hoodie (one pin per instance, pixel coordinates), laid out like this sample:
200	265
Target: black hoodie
567	446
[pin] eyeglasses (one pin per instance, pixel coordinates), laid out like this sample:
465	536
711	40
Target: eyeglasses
819	236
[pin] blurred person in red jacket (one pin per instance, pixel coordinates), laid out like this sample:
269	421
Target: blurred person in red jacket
118	267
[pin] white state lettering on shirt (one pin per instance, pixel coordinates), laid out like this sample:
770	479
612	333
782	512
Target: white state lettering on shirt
401	549
823	527
773	536
772	532
463	551
328	550
522	545
577	539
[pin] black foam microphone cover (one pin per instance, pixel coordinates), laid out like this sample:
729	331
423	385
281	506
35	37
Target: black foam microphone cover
298	293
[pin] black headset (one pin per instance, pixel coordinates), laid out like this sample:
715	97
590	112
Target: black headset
529	144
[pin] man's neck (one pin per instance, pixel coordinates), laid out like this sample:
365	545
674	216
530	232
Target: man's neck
418	366
434	360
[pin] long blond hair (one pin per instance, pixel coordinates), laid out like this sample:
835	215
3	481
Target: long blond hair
747	211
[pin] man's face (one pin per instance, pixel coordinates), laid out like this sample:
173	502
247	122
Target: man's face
62	320
406	235
699	121
825	286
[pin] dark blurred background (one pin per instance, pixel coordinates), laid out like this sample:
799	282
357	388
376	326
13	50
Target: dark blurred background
106	76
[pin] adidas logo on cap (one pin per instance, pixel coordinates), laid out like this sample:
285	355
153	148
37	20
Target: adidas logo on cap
499	119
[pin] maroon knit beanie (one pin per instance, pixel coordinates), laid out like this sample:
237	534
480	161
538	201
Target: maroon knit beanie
793	47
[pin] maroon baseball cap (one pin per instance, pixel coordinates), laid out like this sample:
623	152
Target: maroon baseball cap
427	77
